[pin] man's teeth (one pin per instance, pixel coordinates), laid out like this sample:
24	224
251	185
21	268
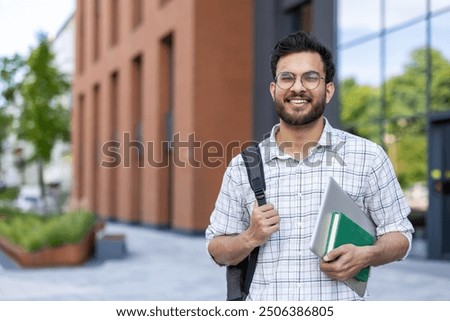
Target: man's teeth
298	101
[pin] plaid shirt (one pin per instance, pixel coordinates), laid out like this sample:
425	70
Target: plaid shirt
287	269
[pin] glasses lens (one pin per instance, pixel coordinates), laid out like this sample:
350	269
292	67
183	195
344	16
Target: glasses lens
310	80
285	80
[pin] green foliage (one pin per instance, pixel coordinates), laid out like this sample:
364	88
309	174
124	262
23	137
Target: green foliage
5	127
409	151
9	67
9	194
36	87
43	119
440	84
405	112
360	106
33	232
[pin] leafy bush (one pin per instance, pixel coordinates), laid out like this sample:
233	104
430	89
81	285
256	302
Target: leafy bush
33	232
9	194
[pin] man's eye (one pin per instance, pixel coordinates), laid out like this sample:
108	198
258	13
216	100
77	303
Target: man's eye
311	78
286	78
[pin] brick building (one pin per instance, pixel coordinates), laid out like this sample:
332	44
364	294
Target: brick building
165	92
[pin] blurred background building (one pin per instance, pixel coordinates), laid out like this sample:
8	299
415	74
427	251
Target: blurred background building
175	88
165	92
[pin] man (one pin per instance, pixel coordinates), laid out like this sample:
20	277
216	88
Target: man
301	153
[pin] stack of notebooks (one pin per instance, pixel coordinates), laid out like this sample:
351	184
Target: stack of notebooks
341	221
342	231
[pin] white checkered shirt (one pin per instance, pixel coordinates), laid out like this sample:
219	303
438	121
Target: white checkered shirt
286	268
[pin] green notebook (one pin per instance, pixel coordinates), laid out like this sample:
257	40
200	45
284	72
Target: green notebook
345	231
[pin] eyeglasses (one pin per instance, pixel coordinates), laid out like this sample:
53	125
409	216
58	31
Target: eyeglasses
310	80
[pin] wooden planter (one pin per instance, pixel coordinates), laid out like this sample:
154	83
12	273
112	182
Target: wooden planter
65	255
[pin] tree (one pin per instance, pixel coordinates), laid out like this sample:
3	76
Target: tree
360	109
43	119
5	125
9	68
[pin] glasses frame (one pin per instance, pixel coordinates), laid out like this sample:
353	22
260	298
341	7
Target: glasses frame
295	79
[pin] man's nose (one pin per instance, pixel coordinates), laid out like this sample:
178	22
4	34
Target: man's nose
298	86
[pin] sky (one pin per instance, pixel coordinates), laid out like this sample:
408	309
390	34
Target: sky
22	20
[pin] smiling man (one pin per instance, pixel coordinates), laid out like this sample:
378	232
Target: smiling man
302	151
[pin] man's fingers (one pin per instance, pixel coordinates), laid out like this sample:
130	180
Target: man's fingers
265	207
273	220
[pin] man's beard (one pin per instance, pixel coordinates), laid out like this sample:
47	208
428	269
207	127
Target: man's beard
292	119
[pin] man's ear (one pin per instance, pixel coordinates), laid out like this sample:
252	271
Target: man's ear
329	91
272	89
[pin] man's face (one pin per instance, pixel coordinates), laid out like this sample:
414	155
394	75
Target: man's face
298	105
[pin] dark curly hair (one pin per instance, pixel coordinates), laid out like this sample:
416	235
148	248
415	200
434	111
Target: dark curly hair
302	42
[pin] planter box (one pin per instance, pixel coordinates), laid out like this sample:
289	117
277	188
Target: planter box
65	255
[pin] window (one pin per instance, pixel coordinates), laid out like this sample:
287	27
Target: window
81	139
401	11
385	79
137	12
440	60
354	22
301	17
80	37
114	23
137	93
96	38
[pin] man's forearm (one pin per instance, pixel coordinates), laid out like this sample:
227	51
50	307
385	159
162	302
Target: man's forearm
230	249
388	248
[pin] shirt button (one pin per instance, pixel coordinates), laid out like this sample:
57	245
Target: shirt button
299	253
298	225
298	285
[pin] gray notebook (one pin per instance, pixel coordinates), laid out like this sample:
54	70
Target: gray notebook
336	200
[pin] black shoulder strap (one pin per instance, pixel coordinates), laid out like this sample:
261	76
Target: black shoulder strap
255	170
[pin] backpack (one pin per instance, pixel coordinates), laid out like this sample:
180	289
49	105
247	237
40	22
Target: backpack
240	276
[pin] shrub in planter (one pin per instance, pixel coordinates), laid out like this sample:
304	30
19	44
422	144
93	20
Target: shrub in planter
32	232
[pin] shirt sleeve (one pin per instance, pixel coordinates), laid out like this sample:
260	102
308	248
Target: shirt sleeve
230	216
386	202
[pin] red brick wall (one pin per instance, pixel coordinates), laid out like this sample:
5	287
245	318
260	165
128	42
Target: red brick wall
212	84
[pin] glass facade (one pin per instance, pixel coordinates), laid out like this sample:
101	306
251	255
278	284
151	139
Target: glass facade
393	70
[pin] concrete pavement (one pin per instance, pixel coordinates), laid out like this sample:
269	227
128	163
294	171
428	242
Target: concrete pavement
162	266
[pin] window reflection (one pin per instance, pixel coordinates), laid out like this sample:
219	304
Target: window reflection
361	62
389	104
440	92
439	4
440	30
406	71
353	19
359	84
400	11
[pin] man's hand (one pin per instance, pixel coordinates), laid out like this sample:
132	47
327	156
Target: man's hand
344	262
263	223
232	249
347	260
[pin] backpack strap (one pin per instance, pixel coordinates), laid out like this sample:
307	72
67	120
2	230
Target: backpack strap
255	170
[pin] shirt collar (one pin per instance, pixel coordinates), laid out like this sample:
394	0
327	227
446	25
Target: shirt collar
270	150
